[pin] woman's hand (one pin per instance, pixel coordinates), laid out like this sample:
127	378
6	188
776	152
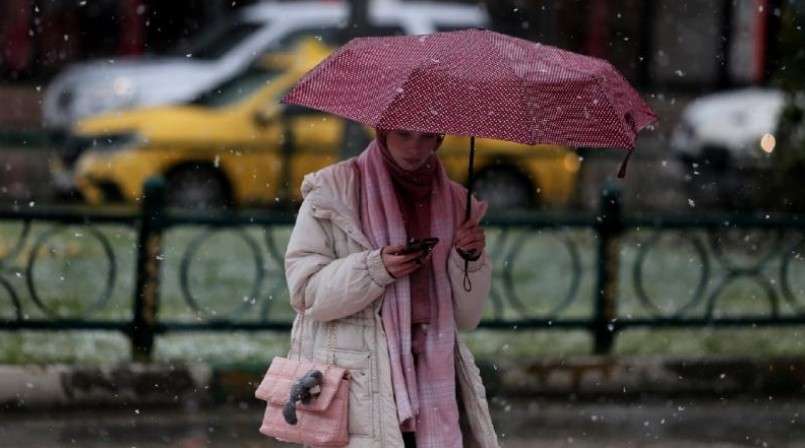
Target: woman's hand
470	238
402	265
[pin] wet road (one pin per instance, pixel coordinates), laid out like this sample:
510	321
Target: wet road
666	423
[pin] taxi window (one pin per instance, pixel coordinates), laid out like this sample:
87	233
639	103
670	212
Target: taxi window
329	35
236	88
218	41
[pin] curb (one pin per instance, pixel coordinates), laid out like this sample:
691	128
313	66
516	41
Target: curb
32	386
129	384
712	376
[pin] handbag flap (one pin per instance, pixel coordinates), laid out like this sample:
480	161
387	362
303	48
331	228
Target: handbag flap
282	373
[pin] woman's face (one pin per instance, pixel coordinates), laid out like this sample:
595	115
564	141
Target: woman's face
411	149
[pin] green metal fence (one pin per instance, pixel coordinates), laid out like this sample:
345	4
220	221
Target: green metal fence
149	271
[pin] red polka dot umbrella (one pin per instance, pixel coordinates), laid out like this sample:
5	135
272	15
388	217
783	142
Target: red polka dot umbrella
477	83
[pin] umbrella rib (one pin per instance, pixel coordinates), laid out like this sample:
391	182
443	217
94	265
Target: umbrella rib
615	111
598	79
415	71
595	77
559	65
313	73
523	93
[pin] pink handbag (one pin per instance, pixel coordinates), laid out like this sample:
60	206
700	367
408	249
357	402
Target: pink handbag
322	421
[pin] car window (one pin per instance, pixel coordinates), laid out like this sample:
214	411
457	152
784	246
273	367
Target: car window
236	88
218	41
335	36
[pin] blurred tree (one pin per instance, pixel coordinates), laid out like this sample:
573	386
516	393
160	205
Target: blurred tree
561	24
619	31
16	46
789	156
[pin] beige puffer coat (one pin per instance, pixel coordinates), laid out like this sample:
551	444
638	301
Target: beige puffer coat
335	274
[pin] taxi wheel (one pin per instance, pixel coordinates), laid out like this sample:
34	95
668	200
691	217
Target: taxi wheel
504	188
197	187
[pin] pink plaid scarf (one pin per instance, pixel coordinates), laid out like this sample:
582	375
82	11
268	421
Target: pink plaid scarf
428	407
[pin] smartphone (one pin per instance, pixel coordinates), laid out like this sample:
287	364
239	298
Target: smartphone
419	245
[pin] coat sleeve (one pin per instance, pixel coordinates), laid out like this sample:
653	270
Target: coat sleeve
329	287
468	306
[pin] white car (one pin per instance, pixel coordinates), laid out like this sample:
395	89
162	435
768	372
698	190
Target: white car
100	86
726	140
729	130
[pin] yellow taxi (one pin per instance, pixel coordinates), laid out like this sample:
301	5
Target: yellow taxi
237	145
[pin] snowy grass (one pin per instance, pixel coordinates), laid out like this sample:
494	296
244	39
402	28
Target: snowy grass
71	270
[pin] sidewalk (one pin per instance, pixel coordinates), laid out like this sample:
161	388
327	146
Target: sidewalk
668	423
582	378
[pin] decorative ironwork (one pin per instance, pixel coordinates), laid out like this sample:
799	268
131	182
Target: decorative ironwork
719	255
15	301
18	245
638	275
33	254
187	259
716	252
277	274
506	249
41	243
719	240
794	252
5	260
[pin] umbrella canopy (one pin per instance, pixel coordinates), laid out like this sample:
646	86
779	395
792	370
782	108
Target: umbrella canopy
477	83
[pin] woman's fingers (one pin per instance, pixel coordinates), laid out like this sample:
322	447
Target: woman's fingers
477	246
469	236
393	249
402	265
473	221
391	253
406	258
469	228
417	261
466	238
406	269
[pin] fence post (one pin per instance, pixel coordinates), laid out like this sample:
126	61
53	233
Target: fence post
608	226
149	247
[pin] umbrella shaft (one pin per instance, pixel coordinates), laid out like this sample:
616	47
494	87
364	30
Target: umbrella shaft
470	179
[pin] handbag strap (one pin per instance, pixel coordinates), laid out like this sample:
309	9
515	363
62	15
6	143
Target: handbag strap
299	338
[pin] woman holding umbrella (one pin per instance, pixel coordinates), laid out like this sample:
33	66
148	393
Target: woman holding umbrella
392	317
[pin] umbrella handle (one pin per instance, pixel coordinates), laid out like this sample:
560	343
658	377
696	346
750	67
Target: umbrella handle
467	281
467	256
